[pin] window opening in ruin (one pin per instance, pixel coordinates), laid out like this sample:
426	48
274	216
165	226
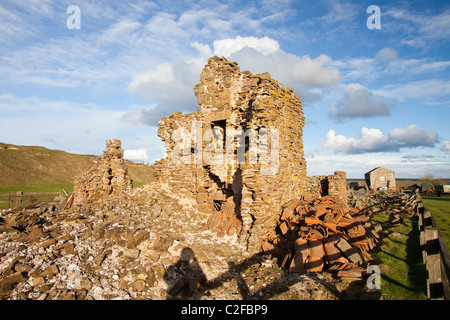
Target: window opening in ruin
110	177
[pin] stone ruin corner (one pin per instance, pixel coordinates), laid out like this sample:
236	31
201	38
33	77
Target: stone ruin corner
107	177
255	125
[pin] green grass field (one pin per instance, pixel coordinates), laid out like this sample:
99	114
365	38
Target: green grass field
50	187
440	209
403	274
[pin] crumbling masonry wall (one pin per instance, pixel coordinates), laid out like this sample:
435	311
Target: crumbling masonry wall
107	177
334	185
241	117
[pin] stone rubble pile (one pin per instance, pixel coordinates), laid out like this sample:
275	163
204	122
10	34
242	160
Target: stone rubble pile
389	201
146	244
117	249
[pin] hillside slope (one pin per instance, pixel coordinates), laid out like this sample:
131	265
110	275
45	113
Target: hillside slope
39	165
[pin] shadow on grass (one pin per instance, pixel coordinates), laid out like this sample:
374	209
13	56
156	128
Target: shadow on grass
404	275
416	269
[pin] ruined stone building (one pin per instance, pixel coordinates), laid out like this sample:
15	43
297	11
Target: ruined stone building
380	177
244	142
107	177
240	154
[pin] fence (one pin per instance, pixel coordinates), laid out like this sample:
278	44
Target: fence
435	254
20	199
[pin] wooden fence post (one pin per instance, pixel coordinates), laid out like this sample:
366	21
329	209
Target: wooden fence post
19	199
433	263
422	236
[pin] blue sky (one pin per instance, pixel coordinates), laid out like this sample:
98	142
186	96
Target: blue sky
371	97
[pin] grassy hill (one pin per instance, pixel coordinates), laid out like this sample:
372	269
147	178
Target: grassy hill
25	165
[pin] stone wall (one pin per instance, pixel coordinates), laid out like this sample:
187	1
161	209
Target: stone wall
334	185
245	141
107	177
317	186
337	186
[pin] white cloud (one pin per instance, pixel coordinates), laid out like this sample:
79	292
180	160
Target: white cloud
373	140
73	127
446	146
385	63
12	25
425	89
421	29
310	77
409	166
153	80
313	73
204	50
386	54
144	115
65	125
414	136
291	70
414	66
359	102
170	85
421	158
36	7
121	29
357	68
226	47
340	13
369	140
136	154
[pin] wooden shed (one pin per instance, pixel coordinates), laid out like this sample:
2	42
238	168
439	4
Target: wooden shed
380	178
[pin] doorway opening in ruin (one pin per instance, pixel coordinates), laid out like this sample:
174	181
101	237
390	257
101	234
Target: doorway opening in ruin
324	186
227	190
